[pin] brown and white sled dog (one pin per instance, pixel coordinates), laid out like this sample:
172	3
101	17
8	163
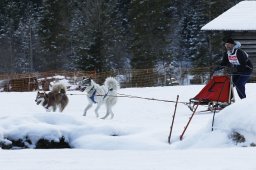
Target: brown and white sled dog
105	94
56	98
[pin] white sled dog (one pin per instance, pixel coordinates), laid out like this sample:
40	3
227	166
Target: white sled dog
105	94
56	98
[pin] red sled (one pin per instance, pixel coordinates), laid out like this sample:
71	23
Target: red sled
217	94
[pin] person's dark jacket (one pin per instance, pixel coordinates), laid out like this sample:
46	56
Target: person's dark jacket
245	63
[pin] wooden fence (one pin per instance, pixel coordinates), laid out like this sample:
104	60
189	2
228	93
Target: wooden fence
126	77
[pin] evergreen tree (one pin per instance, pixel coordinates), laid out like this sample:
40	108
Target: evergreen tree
149	28
101	35
192	41
98	35
10	16
198	40
27	36
53	33
14	17
201	48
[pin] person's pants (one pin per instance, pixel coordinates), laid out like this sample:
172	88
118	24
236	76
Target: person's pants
239	81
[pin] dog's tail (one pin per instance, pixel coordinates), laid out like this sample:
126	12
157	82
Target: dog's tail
59	88
111	83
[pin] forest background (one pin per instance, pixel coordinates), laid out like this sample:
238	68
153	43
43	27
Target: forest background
101	35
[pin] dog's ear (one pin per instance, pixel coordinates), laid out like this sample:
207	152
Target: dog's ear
39	93
46	95
90	81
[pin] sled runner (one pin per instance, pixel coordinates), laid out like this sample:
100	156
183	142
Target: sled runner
217	94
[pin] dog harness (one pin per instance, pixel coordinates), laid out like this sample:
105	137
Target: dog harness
92	97
107	93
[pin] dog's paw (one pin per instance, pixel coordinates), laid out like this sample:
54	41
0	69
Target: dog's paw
48	109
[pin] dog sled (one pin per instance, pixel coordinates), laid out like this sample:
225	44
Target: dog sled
216	95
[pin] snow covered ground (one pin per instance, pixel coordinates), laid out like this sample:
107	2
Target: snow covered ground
135	139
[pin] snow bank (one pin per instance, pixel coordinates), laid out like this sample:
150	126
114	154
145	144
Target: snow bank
238	118
137	125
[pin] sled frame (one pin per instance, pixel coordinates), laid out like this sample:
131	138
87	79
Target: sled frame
216	104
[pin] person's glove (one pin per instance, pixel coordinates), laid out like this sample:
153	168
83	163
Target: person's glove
218	68
232	70
214	70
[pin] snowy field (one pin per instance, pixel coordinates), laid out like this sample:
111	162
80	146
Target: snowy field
136	138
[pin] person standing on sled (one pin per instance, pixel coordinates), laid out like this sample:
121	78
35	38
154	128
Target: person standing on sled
240	64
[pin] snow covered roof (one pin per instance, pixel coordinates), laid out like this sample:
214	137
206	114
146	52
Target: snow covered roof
240	17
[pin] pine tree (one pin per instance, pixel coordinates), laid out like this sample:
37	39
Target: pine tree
149	28
10	15
14	39
98	35
54	34
101	35
201	48
27	35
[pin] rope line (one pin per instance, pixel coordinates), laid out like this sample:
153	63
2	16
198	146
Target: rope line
147	98
138	97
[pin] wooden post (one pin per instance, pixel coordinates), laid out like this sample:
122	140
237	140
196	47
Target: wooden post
173	117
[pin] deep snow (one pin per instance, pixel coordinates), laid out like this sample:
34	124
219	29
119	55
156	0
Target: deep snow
136	138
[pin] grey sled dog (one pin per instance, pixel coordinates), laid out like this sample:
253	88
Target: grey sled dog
105	94
56	98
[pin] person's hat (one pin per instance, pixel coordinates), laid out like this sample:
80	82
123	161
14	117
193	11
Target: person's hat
230	41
